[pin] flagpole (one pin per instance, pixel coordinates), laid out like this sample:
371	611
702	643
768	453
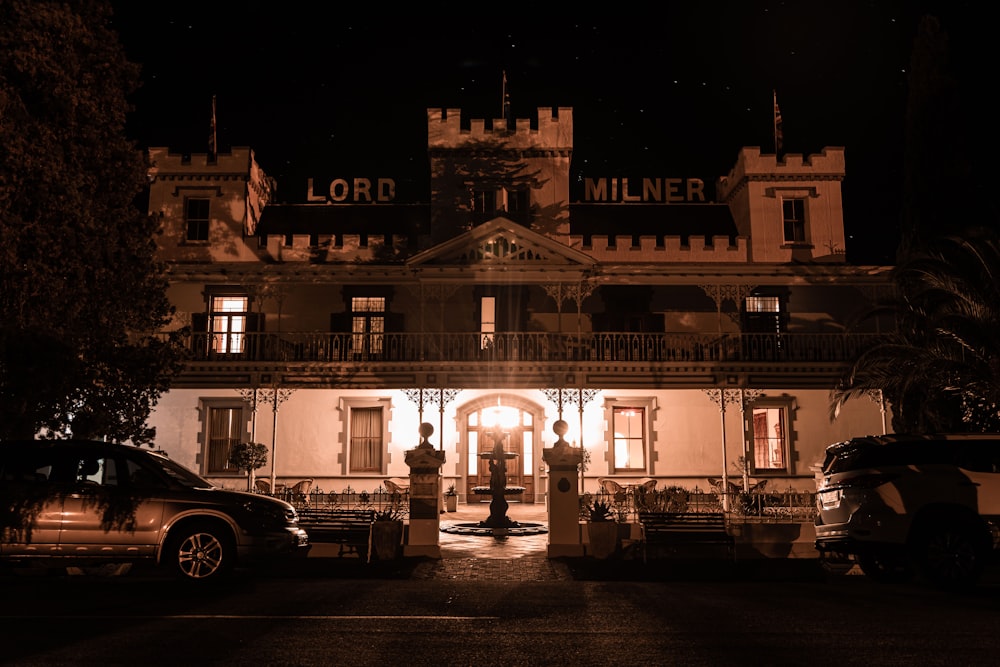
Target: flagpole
505	104
212	145
777	124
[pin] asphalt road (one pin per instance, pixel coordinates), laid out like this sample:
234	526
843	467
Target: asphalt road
385	616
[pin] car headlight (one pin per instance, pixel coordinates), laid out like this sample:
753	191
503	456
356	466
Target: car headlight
268	513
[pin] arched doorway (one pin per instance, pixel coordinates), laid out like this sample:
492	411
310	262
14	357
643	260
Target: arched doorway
518	419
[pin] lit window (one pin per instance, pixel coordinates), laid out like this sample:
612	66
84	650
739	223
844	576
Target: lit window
763	304
488	320
229	324
793	215
196	211
629	438
367	324
225	428
769	439
366	439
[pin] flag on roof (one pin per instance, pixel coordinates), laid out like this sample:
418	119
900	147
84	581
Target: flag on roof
778	137
505	110
212	145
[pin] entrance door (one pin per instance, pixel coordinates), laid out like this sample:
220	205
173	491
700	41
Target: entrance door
518	427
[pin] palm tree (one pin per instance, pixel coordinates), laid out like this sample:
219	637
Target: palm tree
940	370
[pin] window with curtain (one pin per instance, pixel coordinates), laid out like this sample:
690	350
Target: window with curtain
769	440
229	323
225	428
366	439
629	439
367	324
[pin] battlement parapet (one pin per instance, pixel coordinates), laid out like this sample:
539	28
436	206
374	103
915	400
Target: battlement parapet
240	159
328	248
698	249
751	164
619	249
555	130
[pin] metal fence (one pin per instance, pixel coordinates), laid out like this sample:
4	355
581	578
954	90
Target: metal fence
378	500
752	507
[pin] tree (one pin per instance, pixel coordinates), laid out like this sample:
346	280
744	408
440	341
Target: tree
248	456
940	370
80	291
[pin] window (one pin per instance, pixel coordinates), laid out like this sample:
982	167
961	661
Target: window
793	215
769	440
228	323
366	439
629	449
226	426
484	202
764	314
487	321
367	324
763	304
514	202
517	204
196	211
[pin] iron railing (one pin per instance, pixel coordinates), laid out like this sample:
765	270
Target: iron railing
755	507
379	500
534	346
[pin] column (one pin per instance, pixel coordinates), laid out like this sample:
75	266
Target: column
564	500
423	538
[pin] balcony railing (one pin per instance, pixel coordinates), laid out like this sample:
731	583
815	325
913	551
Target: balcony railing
513	347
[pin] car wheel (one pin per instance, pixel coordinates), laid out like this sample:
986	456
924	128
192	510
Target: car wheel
951	553
889	569
202	553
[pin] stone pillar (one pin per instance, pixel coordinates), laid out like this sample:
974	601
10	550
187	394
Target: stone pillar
425	497
564	499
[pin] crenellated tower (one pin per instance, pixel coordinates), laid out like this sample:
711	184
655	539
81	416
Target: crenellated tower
480	172
209	207
790	209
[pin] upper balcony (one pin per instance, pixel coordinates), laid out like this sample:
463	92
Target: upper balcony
524	359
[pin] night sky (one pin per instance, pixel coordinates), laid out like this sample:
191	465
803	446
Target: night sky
664	89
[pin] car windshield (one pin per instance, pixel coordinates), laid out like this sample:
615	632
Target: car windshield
855	455
179	473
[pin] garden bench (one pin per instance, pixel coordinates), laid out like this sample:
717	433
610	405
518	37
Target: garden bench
672	529
350	528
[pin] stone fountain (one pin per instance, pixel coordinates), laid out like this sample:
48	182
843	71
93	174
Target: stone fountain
498	457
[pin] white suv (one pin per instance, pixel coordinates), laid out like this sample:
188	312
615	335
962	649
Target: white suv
899	505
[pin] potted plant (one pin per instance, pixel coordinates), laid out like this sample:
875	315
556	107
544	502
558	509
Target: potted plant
451	499
387	534
602	530
248	456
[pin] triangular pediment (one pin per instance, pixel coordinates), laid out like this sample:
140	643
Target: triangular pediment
501	242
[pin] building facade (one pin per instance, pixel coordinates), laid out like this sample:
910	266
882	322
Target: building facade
683	334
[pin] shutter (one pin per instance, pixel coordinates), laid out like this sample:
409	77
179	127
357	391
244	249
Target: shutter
199	335
340	322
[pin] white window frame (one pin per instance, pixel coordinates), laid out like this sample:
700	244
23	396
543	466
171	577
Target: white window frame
487	321
237	432
199	224
347	407
227	322
648	407
793	219
770	450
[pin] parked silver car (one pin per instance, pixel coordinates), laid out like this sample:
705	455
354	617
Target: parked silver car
81	503
900	505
